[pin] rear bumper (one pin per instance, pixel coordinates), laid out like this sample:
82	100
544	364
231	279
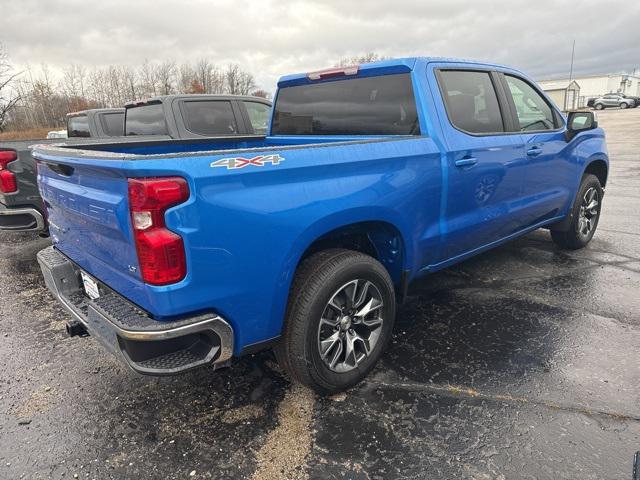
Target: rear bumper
147	346
21	219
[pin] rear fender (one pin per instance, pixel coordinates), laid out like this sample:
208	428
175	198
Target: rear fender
357	217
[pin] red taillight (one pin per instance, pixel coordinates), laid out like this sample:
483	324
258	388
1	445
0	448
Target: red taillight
160	251
8	183
333	72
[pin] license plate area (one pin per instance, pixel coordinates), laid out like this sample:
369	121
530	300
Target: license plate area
90	286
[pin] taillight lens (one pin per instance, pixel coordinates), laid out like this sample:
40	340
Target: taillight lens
160	251
8	182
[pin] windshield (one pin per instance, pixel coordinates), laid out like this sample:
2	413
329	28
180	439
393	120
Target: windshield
380	105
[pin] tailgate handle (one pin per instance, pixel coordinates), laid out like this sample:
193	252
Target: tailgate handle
61	169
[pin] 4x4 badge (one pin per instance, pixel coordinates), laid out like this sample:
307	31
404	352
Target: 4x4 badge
241	162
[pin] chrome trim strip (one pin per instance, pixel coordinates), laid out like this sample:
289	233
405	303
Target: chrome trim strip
24	211
216	323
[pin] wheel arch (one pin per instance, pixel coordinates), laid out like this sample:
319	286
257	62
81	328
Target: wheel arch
378	232
599	168
379	239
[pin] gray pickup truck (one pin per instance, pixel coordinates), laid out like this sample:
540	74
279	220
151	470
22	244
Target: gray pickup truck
159	118
96	123
21	207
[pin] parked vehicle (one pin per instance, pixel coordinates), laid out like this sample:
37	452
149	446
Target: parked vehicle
57	134
636	100
197	116
613	100
96	123
21	208
166	117
177	254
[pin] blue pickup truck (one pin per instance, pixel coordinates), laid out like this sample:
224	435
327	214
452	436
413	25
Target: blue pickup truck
177	254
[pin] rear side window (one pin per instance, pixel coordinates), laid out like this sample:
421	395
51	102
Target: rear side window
258	116
382	105
209	118
471	101
78	126
147	119
113	124
534	113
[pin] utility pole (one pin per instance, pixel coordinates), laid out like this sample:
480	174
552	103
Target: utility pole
573	51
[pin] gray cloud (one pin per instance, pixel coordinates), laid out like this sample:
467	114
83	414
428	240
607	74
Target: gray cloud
273	38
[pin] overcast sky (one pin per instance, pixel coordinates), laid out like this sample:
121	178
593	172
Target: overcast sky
272	38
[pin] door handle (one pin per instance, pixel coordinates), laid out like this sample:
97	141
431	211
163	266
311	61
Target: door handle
534	151
466	162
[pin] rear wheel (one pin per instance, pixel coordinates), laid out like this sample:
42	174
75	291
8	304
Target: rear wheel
585	215
339	320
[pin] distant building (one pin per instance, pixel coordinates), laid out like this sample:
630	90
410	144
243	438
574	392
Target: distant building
596	85
565	93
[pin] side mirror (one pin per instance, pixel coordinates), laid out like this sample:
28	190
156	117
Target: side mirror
579	122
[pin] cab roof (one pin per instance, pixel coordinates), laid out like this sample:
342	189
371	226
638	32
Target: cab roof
195	96
81	113
384	67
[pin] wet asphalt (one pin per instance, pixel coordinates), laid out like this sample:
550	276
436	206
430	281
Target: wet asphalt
520	363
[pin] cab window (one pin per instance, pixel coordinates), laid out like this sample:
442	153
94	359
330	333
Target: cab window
258	116
471	101
534	113
78	126
209	117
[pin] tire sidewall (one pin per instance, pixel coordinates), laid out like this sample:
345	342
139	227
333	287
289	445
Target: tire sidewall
623	105
366	270
587	182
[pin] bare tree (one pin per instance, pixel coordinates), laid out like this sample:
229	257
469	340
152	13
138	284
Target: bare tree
166	76
246	83
238	81
261	93
149	79
9	98
39	99
360	59
186	77
129	81
73	80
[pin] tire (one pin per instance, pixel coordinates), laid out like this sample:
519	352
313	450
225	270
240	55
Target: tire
598	106
577	236
326	277
624	105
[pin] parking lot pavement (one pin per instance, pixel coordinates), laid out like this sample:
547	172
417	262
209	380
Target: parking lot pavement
520	363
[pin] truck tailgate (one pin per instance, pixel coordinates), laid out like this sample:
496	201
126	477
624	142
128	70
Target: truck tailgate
87	207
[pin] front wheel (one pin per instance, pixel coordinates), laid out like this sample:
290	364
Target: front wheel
598	106
339	320
623	105
585	215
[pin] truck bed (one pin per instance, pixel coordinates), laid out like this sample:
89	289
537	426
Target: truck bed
246	195
154	148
